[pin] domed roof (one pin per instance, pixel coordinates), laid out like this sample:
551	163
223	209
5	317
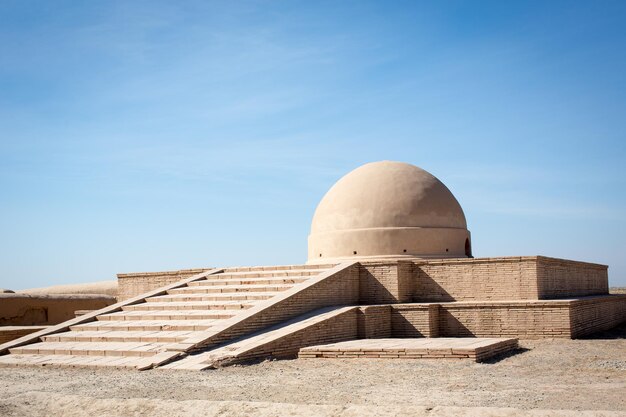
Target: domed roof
387	194
388	209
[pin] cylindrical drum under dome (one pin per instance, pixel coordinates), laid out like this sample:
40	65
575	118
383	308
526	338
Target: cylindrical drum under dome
387	210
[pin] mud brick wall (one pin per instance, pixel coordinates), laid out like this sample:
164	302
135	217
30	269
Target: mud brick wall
374	322
557	278
386	282
28	310
597	314
134	284
415	320
511	278
532	320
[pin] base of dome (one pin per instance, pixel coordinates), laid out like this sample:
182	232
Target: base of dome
389	243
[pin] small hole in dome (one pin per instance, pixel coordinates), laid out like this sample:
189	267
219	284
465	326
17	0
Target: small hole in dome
446	249
354	252
320	255
404	250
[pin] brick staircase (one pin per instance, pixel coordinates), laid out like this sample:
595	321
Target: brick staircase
136	333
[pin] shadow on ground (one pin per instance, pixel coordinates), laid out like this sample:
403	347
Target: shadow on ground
506	355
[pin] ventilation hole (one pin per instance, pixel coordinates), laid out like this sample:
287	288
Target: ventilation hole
446	249
354	252
320	255
404	250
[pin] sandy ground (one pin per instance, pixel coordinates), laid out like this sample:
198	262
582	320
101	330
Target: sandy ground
577	377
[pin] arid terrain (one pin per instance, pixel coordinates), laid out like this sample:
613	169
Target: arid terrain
546	377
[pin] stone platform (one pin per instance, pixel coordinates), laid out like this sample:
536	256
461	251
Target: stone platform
477	349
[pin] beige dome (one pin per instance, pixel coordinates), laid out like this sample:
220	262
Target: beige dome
388	210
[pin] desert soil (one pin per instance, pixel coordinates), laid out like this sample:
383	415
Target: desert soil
545	378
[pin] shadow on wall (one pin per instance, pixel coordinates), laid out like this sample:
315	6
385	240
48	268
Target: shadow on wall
372	290
402	327
450	326
428	289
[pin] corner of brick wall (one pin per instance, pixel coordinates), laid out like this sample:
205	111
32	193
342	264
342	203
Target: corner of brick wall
596	314
559	278
386	282
374	322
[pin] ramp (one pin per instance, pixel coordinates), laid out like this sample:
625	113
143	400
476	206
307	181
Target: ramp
139	333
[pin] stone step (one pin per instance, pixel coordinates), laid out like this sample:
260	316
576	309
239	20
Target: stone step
146	325
268	274
477	349
91	348
282	340
272	269
168	315
119	336
189	305
249	281
244	296
71	360
215	289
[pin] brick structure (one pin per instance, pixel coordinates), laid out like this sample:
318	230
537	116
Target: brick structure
510	278
134	284
390	260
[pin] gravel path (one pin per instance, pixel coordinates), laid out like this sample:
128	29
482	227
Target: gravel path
547	375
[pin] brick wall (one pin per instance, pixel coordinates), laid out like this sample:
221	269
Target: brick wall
595	314
515	319
28	310
374	322
459	279
134	284
522	319
559	278
511	278
415	320
385	282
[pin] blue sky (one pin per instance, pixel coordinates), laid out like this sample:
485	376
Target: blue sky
143	136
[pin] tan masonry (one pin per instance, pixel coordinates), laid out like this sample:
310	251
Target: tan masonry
230	315
527	297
